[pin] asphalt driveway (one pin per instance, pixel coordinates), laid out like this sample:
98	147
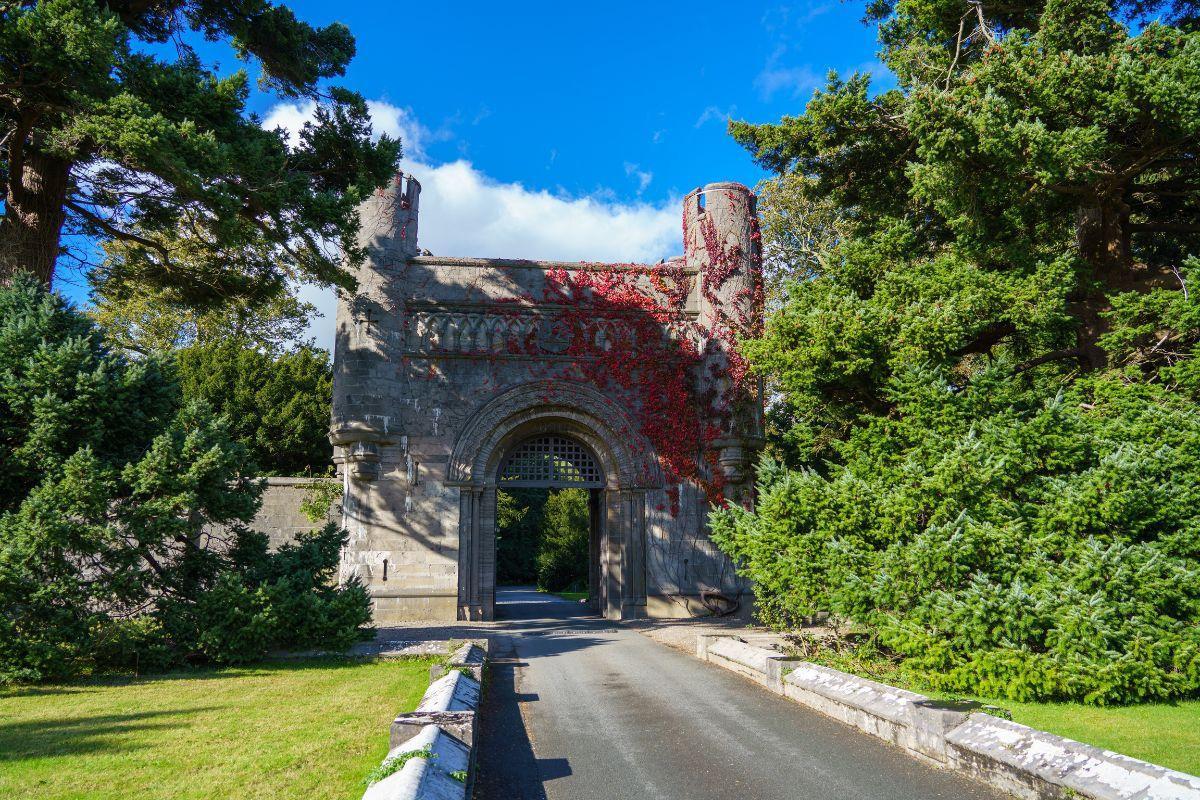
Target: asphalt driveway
581	709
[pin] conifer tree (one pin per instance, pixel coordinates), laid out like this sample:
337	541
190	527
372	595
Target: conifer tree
111	126
988	429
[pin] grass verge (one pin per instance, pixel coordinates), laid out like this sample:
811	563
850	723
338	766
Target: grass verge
1167	734
310	728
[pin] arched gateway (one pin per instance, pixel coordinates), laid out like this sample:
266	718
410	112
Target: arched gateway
455	377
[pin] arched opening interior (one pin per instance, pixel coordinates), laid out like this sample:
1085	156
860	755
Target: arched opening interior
548	525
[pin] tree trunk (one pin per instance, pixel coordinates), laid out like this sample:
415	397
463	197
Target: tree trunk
1102	233
33	212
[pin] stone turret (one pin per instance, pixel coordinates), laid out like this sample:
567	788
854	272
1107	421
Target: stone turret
369	332
721	243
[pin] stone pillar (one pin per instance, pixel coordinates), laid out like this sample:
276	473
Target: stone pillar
477	553
486	547
369	333
614	544
595	545
469	606
633	599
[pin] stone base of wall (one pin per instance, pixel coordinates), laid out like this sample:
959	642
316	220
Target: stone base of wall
415	605
687	606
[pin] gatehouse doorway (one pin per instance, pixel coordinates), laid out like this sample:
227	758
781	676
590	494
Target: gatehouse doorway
555	435
548	523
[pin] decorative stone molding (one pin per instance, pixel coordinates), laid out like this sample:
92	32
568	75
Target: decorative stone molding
505	332
553	406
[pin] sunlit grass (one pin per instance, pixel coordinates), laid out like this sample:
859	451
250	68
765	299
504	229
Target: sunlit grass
310	729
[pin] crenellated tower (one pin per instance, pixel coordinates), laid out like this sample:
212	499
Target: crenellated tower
369	332
722	246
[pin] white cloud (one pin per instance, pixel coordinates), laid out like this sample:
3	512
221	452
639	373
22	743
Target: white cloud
464	212
643	176
796	81
800	81
712	113
385	118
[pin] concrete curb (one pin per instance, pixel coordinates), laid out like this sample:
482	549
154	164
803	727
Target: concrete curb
1026	762
445	723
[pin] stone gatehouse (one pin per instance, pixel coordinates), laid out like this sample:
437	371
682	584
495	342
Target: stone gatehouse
457	377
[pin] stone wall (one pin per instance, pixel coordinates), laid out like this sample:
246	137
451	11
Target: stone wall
280	517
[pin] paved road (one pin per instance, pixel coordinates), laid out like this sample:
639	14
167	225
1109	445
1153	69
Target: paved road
579	709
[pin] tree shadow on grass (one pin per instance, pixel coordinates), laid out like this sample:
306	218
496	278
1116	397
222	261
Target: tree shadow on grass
257	669
79	735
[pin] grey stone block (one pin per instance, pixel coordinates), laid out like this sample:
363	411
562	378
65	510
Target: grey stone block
1035	764
450	702
431	778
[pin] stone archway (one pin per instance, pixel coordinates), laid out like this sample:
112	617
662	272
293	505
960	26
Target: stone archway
581	413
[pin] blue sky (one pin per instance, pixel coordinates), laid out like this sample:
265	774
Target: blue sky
545	130
618	98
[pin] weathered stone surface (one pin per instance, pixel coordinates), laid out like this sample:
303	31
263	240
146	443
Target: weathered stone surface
1035	764
450	702
760	664
470	658
454	691
280	517
911	720
429	778
430	396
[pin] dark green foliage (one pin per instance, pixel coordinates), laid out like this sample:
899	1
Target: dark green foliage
277	403
115	129
518	534
562	559
988	383
122	522
1004	546
264	601
542	537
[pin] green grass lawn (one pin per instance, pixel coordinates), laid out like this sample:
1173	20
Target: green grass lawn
1167	734
310	729
575	596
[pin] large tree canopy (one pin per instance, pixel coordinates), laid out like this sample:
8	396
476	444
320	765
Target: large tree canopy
987	374
113	128
1040	153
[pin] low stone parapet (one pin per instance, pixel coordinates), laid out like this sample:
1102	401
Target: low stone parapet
469	658
432	749
450	702
1035	764
1015	758
759	664
910	720
435	767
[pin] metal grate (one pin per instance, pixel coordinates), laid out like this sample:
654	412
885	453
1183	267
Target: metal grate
551	461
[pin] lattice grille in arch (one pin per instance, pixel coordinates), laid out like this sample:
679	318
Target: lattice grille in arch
551	460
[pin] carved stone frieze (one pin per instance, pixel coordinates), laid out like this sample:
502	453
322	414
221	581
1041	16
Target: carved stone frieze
504	332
